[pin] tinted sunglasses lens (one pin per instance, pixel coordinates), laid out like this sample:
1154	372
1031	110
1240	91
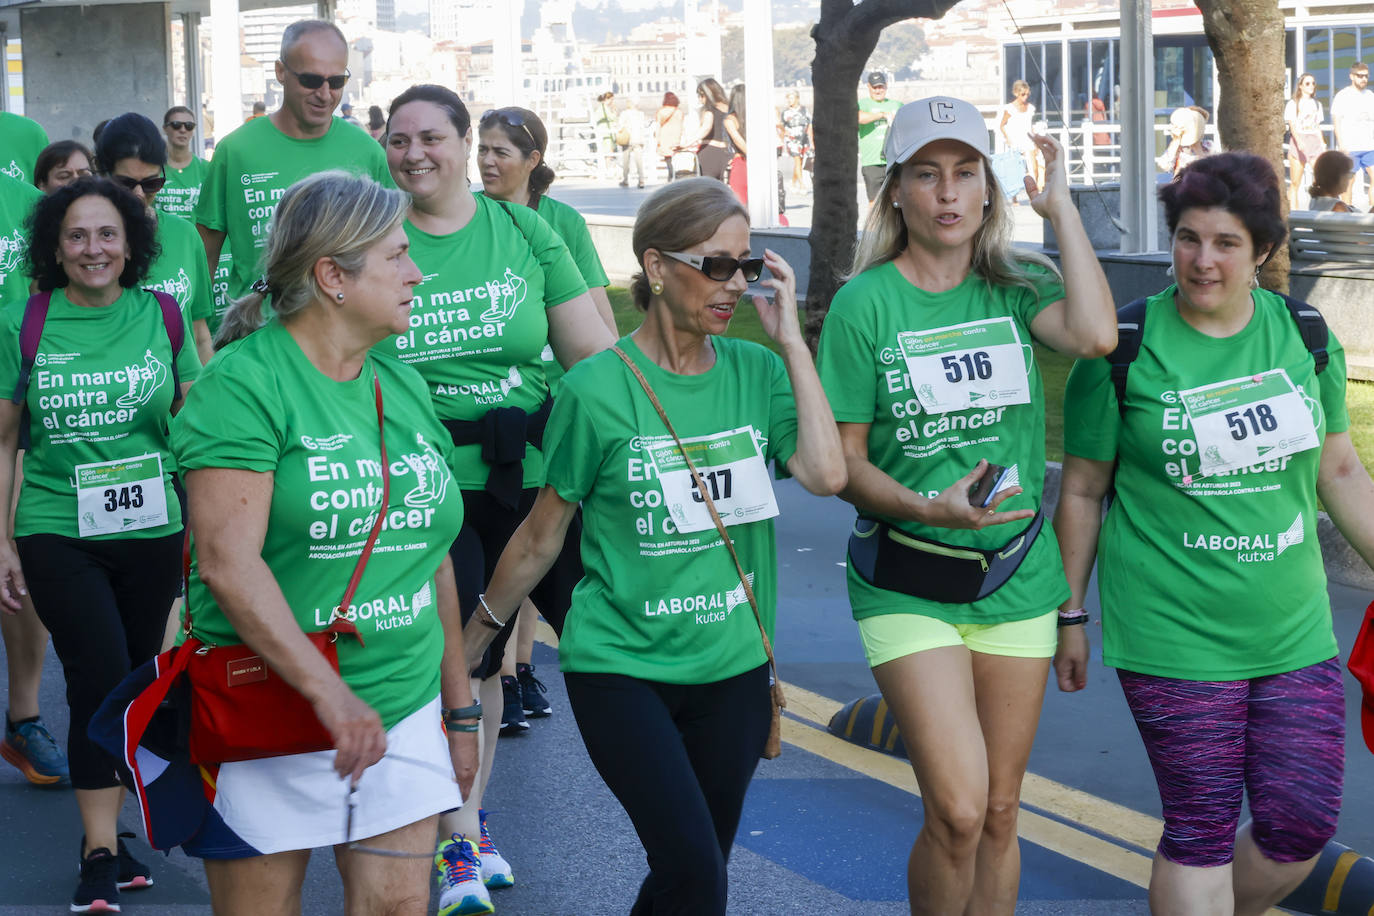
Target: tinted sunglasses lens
338	82
153	185
722	269
752	268
182	125
310	80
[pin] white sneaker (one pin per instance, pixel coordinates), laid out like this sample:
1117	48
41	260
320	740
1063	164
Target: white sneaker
496	871
461	892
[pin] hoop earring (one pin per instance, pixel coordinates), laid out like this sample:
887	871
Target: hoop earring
656	288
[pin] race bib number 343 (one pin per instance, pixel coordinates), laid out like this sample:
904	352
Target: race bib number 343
118	496
1243	421
733	470
977	364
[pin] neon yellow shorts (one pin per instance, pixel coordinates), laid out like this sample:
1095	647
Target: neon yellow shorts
890	636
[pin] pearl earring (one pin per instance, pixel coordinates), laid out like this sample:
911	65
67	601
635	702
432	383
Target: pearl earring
655	288
1169	271
339	296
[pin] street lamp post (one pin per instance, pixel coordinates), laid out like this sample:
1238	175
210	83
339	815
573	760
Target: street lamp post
760	124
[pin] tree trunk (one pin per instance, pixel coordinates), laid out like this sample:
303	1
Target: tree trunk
1246	37
845	37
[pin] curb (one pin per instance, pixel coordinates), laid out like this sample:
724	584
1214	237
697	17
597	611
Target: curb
1343	565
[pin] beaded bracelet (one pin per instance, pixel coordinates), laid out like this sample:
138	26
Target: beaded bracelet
1072	618
490	619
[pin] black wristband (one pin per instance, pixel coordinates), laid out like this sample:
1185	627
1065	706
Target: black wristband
1072	621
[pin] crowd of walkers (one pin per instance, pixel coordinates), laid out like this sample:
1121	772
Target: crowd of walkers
328	510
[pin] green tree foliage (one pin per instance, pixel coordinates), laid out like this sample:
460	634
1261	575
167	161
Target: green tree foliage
899	48
792	53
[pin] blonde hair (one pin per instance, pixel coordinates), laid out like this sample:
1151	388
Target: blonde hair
331	214
676	217
994	259
1019	84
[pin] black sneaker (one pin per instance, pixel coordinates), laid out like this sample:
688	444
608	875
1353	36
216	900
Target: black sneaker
513	713
532	693
133	874
97	891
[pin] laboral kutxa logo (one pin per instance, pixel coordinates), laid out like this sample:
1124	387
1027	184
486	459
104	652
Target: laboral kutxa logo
712	607
1250	548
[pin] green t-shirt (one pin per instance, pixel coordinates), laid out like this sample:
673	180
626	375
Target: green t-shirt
220	289
251	170
16	203
1215	577
101	390
927	452
263	406
21	140
181	270
873	135
179	195
477	324
656	603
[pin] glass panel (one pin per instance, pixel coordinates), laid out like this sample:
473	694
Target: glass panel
1048	95
1080	80
1344	54
1317	60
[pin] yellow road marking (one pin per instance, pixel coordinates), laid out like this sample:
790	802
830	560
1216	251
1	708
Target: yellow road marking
1105	817
1336	883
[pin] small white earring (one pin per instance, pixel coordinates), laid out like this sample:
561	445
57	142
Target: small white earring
896	205
1254	281
1169	271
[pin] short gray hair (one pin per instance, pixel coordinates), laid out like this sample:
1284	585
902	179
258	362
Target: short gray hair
303	27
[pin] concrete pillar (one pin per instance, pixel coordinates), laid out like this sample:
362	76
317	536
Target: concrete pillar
195	81
1137	128
226	87
70	53
760	121
505	52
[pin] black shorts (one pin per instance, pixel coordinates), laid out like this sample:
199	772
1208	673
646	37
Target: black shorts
873	179
487	527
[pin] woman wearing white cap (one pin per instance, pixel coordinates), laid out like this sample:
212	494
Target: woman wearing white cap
954	575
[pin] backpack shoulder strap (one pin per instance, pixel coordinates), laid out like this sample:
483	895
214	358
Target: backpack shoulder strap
1312	327
1130	329
175	326
30	333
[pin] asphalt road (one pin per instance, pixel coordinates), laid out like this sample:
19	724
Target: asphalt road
826	827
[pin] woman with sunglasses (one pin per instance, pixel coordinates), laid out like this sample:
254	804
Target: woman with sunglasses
132	153
499	287
953	573
661	634
511	143
185	170
101	559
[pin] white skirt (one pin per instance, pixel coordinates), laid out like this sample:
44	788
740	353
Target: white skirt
299	802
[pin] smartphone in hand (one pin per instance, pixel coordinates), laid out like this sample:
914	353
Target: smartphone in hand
987	486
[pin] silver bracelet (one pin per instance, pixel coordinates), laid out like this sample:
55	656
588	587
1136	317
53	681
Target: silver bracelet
490	619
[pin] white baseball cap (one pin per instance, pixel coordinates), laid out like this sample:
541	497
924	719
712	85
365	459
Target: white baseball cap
936	118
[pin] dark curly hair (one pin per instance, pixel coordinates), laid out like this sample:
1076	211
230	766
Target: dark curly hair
446	99
1242	184
45	230
530	137
55	155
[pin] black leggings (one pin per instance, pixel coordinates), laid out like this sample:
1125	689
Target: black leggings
713	160
487	526
106	605
681	778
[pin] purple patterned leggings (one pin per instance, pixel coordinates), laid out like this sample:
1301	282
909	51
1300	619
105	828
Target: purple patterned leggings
1280	737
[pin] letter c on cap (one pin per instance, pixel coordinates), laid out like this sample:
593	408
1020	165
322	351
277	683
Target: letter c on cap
942	112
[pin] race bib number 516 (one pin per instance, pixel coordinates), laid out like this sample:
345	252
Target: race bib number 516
978	364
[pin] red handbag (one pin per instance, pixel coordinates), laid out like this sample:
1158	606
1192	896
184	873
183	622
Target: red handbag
240	708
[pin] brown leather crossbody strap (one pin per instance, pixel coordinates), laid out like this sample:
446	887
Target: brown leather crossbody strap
715	517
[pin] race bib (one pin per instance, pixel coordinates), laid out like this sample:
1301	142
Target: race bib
733	470
1244	421
126	494
978	364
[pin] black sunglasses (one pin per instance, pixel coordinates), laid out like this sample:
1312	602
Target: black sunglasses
719	268
181	125
150	185
315	81
509	117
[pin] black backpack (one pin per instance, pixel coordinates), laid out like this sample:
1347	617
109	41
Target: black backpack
1130	330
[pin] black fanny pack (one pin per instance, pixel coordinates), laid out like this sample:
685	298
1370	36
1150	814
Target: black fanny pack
502	432
888	558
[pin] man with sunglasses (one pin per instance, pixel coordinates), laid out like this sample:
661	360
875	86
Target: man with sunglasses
185	170
254	165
